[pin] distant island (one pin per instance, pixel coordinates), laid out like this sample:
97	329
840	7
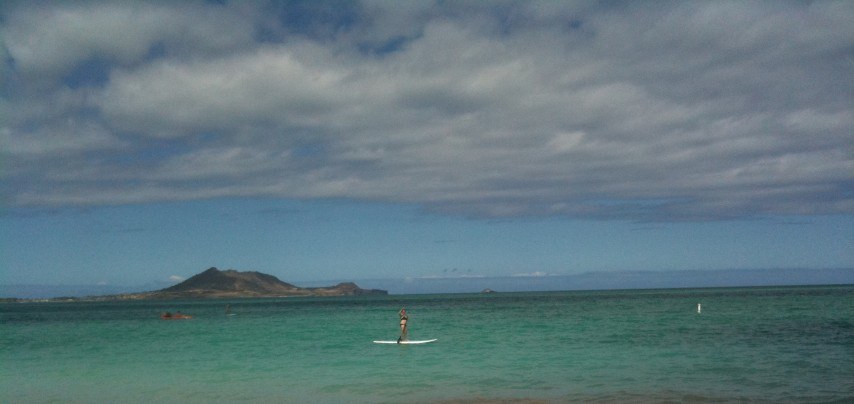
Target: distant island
214	284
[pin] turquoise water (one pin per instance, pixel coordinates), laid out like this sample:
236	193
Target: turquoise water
757	344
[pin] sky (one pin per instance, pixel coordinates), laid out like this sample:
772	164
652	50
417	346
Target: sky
145	141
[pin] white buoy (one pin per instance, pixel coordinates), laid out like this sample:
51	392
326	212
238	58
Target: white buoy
699	308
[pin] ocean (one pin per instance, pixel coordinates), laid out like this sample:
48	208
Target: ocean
770	344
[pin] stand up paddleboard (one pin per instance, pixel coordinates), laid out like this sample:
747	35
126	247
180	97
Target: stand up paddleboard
406	342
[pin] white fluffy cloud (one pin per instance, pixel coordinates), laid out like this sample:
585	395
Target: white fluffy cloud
646	112
50	39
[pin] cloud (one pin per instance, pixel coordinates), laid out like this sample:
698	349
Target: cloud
47	40
267	87
693	111
176	278
536	274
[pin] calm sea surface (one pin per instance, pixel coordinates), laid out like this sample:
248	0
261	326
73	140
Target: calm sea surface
793	344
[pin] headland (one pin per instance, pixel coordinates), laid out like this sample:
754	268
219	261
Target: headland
215	284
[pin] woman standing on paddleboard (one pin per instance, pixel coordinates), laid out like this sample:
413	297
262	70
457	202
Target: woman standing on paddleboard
403	329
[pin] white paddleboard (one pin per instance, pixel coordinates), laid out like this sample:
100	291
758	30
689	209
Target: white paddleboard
406	342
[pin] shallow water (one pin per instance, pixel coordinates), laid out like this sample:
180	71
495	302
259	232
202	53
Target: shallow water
762	344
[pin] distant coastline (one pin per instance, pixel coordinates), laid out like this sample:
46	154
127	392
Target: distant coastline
582	281
621	280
